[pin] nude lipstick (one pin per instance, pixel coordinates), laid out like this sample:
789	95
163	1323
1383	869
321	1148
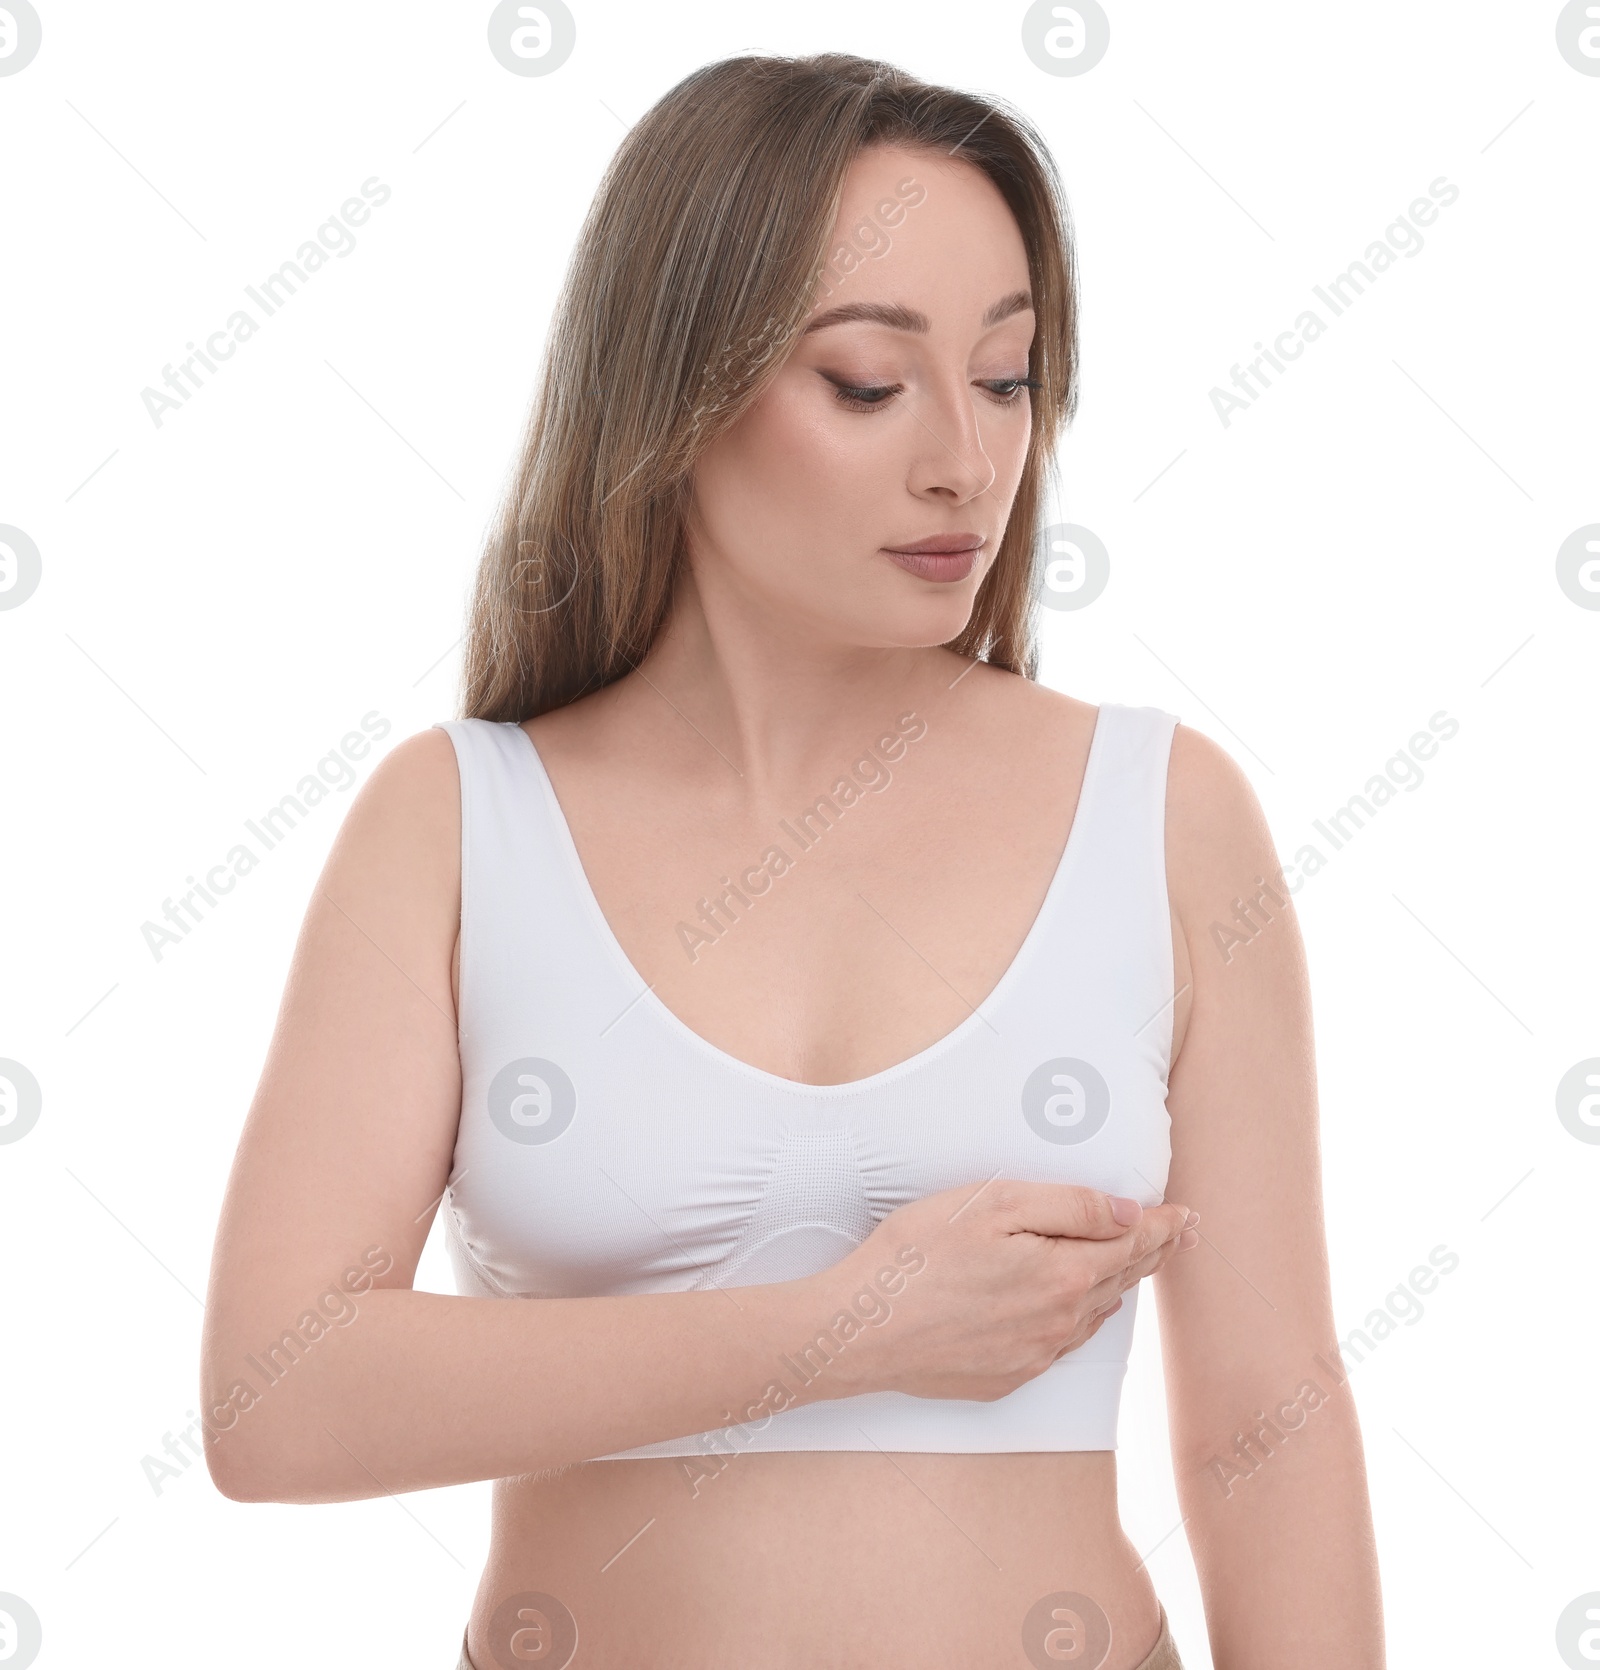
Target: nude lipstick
942	557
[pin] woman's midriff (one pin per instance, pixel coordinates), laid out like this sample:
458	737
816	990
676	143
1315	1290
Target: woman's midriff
815	1560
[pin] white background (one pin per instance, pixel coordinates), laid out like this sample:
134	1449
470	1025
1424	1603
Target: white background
224	596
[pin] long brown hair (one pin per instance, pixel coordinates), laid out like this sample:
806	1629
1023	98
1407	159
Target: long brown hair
696	267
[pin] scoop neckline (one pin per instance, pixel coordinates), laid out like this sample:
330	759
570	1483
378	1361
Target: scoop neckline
963	1028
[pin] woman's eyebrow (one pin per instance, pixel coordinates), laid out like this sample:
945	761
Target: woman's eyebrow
900	318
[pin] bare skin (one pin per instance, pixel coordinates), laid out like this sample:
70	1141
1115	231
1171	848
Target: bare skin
793	640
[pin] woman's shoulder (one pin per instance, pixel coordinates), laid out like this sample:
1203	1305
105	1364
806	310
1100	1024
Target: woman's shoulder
1218	841
1217	836
1010	700
406	817
415	773
1209	795
1210	798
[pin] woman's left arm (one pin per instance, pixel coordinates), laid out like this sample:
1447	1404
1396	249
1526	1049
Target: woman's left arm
1265	1440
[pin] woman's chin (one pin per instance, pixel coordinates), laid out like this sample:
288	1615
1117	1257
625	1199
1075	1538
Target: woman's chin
928	621
924	628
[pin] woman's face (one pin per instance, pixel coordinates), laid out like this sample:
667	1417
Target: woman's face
881	432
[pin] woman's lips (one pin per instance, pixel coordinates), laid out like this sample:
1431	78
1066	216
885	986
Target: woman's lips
936	565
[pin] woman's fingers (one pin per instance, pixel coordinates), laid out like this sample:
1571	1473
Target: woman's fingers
1106	1291
1160	1227
1068	1209
1030	1272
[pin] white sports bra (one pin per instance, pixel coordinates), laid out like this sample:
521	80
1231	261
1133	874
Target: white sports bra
605	1148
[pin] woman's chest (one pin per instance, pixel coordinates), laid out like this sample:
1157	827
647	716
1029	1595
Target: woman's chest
828	939
606	1146
814	1042
826	948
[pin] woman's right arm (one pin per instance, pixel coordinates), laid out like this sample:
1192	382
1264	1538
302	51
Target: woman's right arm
325	1377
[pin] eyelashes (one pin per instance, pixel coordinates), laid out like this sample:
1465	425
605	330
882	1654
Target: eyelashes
874	397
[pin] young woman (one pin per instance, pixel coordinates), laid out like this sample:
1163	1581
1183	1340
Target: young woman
812	1022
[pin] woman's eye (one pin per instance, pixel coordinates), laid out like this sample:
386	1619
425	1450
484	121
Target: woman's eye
867	398
1008	390
1005	391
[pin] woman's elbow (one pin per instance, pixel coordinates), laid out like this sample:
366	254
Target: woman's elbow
254	1455
266	1473
252	1471
237	1473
